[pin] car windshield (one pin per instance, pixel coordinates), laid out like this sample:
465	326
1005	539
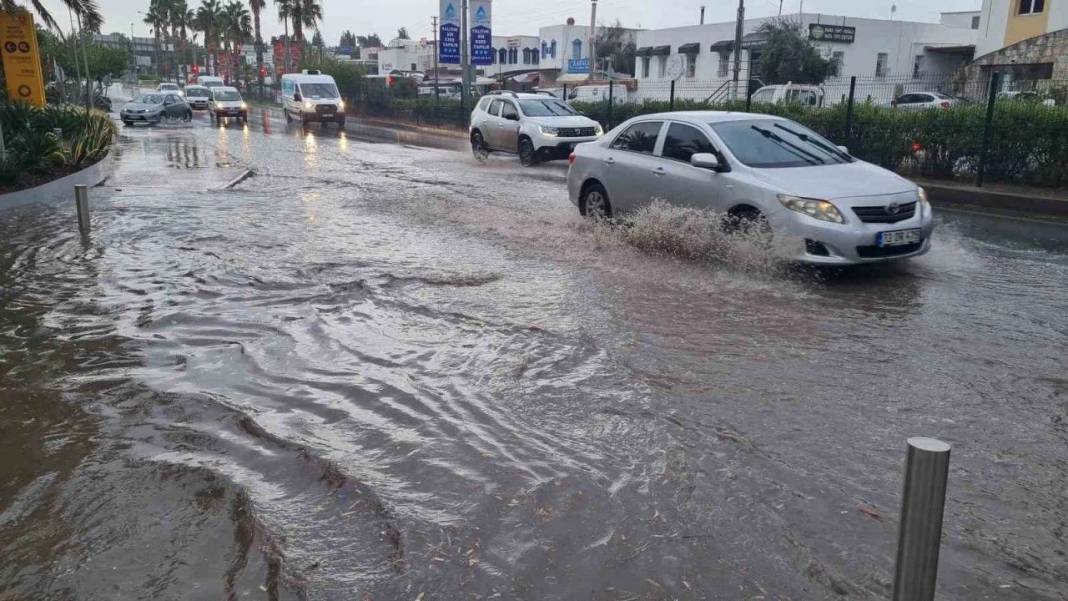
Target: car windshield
318	90
196	92
546	108
227	95
772	143
168	86
151	99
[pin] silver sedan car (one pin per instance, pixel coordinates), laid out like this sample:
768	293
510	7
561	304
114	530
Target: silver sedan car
827	206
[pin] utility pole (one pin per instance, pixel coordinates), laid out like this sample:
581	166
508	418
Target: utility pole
593	40
465	53
437	90
780	8
738	45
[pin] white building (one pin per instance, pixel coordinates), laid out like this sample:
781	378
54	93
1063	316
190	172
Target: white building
700	58
405	55
517	53
1004	23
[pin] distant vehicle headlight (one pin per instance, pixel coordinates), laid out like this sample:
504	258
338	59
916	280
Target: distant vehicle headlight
816	209
244	105
340	105
549	131
308	104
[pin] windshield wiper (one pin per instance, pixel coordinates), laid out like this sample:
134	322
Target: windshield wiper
807	138
804	154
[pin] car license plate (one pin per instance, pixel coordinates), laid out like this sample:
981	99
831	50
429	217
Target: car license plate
897	238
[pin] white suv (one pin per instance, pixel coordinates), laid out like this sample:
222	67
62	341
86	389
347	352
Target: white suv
537	127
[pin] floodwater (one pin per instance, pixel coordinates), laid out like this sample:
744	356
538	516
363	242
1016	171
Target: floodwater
377	370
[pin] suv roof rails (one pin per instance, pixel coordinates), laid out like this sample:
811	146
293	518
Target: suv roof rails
546	92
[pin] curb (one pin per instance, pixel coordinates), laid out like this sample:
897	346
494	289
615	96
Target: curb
59	189
950	196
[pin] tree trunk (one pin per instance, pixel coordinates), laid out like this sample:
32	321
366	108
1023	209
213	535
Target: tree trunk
259	44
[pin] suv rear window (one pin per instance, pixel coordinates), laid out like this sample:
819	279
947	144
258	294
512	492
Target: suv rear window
640	137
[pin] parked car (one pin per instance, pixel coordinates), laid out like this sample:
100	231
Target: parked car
169	88
537	127
312	96
155	107
830	207
198	97
804	94
227	102
919	101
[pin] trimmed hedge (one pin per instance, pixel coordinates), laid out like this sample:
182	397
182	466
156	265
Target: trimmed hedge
35	149
1030	141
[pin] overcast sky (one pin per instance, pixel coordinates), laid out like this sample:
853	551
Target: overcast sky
518	17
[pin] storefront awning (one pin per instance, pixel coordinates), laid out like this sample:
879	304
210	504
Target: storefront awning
644	51
723	46
749	42
693	48
661	50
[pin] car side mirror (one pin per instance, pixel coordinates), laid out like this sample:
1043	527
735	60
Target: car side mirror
844	149
705	160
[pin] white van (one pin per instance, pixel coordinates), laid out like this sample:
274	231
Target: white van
312	96
210	81
792	93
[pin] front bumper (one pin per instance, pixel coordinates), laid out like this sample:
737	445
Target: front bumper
142	117
817	242
559	148
229	112
198	105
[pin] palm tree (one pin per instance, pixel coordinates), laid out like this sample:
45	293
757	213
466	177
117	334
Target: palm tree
235	29
285	11
180	19
156	17
256	6
305	13
87	11
208	18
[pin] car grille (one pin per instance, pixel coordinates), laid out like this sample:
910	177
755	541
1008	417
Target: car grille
325	108
879	214
576	132
875	252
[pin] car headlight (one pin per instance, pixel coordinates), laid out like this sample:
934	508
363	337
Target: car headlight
549	131
340	105
921	198
218	105
244	105
307	104
598	130
817	209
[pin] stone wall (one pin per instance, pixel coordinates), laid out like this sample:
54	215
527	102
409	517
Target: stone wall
1051	48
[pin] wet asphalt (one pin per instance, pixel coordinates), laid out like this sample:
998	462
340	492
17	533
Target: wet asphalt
379	369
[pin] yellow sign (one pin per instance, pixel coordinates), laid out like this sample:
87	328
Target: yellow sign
22	58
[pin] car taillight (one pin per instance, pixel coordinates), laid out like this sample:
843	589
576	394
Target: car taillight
945	104
571	159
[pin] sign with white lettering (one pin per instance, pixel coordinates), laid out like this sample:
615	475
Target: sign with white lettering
449	34
481	32
832	33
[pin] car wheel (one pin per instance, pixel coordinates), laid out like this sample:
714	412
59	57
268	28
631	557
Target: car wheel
746	220
188	116
128	123
478	146
594	203
527	155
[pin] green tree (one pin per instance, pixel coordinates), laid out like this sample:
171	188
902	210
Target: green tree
317	39
103	60
304	13
87	10
788	55
402	34
157	19
208	20
615	43
235	28
348	39
369	41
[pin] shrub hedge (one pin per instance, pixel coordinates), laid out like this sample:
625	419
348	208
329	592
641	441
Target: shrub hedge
1029	143
41	140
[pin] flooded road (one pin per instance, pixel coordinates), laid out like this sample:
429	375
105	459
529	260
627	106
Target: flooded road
385	371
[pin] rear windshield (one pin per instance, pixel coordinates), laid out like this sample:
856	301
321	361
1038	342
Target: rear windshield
227	95
778	143
197	92
546	108
318	90
151	99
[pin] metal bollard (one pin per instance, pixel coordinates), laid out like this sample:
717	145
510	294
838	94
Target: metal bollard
922	505
81	201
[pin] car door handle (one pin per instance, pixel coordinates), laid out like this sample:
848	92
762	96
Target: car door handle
659	171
